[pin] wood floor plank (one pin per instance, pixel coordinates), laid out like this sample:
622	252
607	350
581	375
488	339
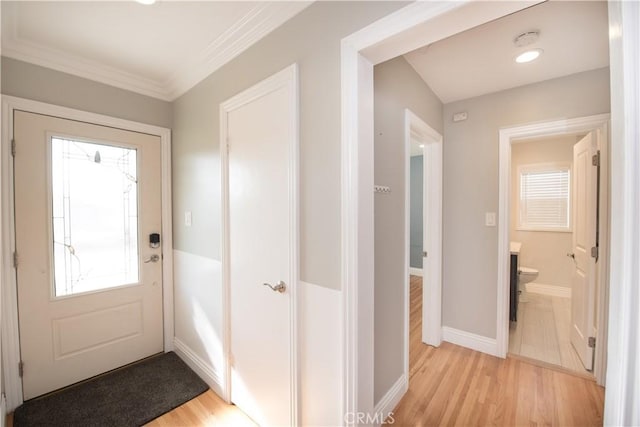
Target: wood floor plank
451	385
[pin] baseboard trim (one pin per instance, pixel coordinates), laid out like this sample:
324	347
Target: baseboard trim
390	400
3	410
551	290
415	271
199	366
473	341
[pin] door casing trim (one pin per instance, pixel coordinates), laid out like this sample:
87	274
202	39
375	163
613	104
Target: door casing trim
9	300
416	128
512	135
283	78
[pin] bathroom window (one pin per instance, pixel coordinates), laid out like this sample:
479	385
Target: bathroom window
545	197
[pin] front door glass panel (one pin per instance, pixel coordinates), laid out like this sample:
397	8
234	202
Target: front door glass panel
94	216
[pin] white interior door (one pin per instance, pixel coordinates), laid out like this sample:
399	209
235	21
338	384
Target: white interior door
87	199
584	239
260	132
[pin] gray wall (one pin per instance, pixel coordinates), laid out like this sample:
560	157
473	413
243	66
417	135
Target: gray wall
312	39
30	81
545	251
396	86
415	211
471	185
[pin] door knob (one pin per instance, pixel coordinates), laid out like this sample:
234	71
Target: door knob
152	258
280	287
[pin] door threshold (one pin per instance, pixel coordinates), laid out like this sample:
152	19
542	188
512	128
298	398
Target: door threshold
586	375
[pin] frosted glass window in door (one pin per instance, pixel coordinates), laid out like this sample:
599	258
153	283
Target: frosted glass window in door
94	215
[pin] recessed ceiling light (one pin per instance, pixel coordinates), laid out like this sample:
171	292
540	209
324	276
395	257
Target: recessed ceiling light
528	56
146	2
421	145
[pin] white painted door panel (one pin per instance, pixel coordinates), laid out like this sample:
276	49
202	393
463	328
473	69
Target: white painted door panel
85	308
584	238
260	251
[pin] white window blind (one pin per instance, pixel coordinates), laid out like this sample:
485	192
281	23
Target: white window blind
545	198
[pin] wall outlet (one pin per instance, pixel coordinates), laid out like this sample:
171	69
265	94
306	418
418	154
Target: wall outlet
187	219
490	219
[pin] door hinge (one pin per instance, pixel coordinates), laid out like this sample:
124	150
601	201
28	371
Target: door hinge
594	252
13	148
15	259
424	254
21	368
595	159
592	342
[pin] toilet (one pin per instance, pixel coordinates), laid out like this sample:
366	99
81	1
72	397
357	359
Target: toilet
525	275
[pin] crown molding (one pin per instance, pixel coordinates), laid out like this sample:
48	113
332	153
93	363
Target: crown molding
256	24
253	26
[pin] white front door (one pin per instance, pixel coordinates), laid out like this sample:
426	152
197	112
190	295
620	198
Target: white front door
585	204
261	135
87	200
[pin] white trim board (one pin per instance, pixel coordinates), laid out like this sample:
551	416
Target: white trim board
550	290
10	334
469	340
622	393
258	22
384	408
415	271
417	129
415	25
205	371
514	135
287	77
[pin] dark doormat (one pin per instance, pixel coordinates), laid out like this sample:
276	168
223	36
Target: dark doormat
130	396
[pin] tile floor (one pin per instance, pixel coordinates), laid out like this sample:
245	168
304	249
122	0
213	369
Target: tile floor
542	332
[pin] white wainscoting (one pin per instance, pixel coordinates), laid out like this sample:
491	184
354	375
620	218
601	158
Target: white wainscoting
204	370
198	336
473	341
551	290
320	355
198	315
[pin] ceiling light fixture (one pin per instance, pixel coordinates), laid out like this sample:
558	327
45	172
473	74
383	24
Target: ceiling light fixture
528	56
146	2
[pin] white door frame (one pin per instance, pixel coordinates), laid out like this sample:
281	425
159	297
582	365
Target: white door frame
416	129
513	135
10	333
401	32
286	77
413	26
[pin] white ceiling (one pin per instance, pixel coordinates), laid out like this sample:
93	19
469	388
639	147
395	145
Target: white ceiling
160	50
573	35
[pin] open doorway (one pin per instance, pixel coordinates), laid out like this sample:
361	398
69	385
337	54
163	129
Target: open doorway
555	187
471	127
563	321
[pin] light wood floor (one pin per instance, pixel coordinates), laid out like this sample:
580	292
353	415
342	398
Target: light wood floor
451	385
542	332
208	409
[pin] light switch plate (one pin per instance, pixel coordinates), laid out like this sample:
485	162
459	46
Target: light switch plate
490	219
187	219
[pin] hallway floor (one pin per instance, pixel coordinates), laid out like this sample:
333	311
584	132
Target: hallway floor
453	385
542	332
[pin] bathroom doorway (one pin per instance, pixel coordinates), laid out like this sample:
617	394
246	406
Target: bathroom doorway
555	203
